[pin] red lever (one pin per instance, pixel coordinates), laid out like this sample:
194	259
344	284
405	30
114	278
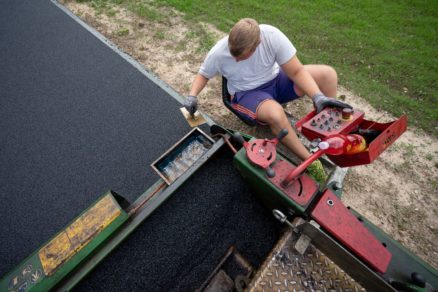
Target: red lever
333	145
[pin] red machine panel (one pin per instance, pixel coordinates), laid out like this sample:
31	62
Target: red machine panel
334	217
302	191
261	152
330	121
389	132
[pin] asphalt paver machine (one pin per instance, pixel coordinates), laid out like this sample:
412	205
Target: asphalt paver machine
326	245
319	217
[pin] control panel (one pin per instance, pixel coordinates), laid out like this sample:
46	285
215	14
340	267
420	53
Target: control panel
332	121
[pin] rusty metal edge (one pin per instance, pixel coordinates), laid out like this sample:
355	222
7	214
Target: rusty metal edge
344	259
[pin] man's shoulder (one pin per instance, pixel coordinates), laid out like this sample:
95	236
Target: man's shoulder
220	46
267	28
272	35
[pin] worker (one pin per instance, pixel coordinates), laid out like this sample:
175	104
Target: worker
263	72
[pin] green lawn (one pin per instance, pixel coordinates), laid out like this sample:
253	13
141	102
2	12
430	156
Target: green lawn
385	51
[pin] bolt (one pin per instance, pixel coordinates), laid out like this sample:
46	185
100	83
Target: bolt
337	186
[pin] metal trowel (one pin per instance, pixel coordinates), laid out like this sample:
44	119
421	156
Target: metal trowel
194	120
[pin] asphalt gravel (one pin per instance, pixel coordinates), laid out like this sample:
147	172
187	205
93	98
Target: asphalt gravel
76	119
181	243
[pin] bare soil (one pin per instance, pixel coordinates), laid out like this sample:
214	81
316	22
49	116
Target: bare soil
398	192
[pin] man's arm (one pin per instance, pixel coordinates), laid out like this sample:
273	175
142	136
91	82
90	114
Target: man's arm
296	72
305	82
191	102
198	84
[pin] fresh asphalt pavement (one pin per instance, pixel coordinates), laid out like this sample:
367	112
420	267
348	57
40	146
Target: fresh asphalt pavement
182	242
76	119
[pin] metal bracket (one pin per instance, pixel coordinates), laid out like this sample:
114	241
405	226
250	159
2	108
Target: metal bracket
343	258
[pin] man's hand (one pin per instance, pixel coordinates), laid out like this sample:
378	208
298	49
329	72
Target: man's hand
191	104
321	101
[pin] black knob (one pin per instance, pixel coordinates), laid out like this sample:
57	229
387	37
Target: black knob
238	138
418	280
270	172
283	133
315	143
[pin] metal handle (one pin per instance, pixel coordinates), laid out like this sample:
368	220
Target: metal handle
279	215
282	218
238	138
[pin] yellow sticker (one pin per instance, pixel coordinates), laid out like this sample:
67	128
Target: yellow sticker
72	239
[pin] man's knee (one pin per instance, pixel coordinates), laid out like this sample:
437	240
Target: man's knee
322	74
270	112
331	75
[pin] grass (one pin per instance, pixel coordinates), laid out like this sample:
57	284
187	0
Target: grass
111	12
144	10
385	51
208	39
122	32
408	150
160	35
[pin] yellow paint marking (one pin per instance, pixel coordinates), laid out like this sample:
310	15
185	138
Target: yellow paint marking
71	240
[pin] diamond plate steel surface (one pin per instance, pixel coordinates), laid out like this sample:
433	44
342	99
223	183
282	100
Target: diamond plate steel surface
287	270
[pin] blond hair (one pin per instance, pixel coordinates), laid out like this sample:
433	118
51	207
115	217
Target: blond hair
245	35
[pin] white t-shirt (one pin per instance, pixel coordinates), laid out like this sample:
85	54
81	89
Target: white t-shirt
275	49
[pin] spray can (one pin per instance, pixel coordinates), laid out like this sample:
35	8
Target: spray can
343	144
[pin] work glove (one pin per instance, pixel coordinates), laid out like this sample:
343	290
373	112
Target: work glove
320	101
191	104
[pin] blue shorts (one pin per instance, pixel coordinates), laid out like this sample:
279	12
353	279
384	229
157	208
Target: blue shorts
280	89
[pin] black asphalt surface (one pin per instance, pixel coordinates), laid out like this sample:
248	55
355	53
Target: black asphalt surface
182	242
76	119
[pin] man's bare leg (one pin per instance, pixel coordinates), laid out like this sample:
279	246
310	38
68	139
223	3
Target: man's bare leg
325	77
272	113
